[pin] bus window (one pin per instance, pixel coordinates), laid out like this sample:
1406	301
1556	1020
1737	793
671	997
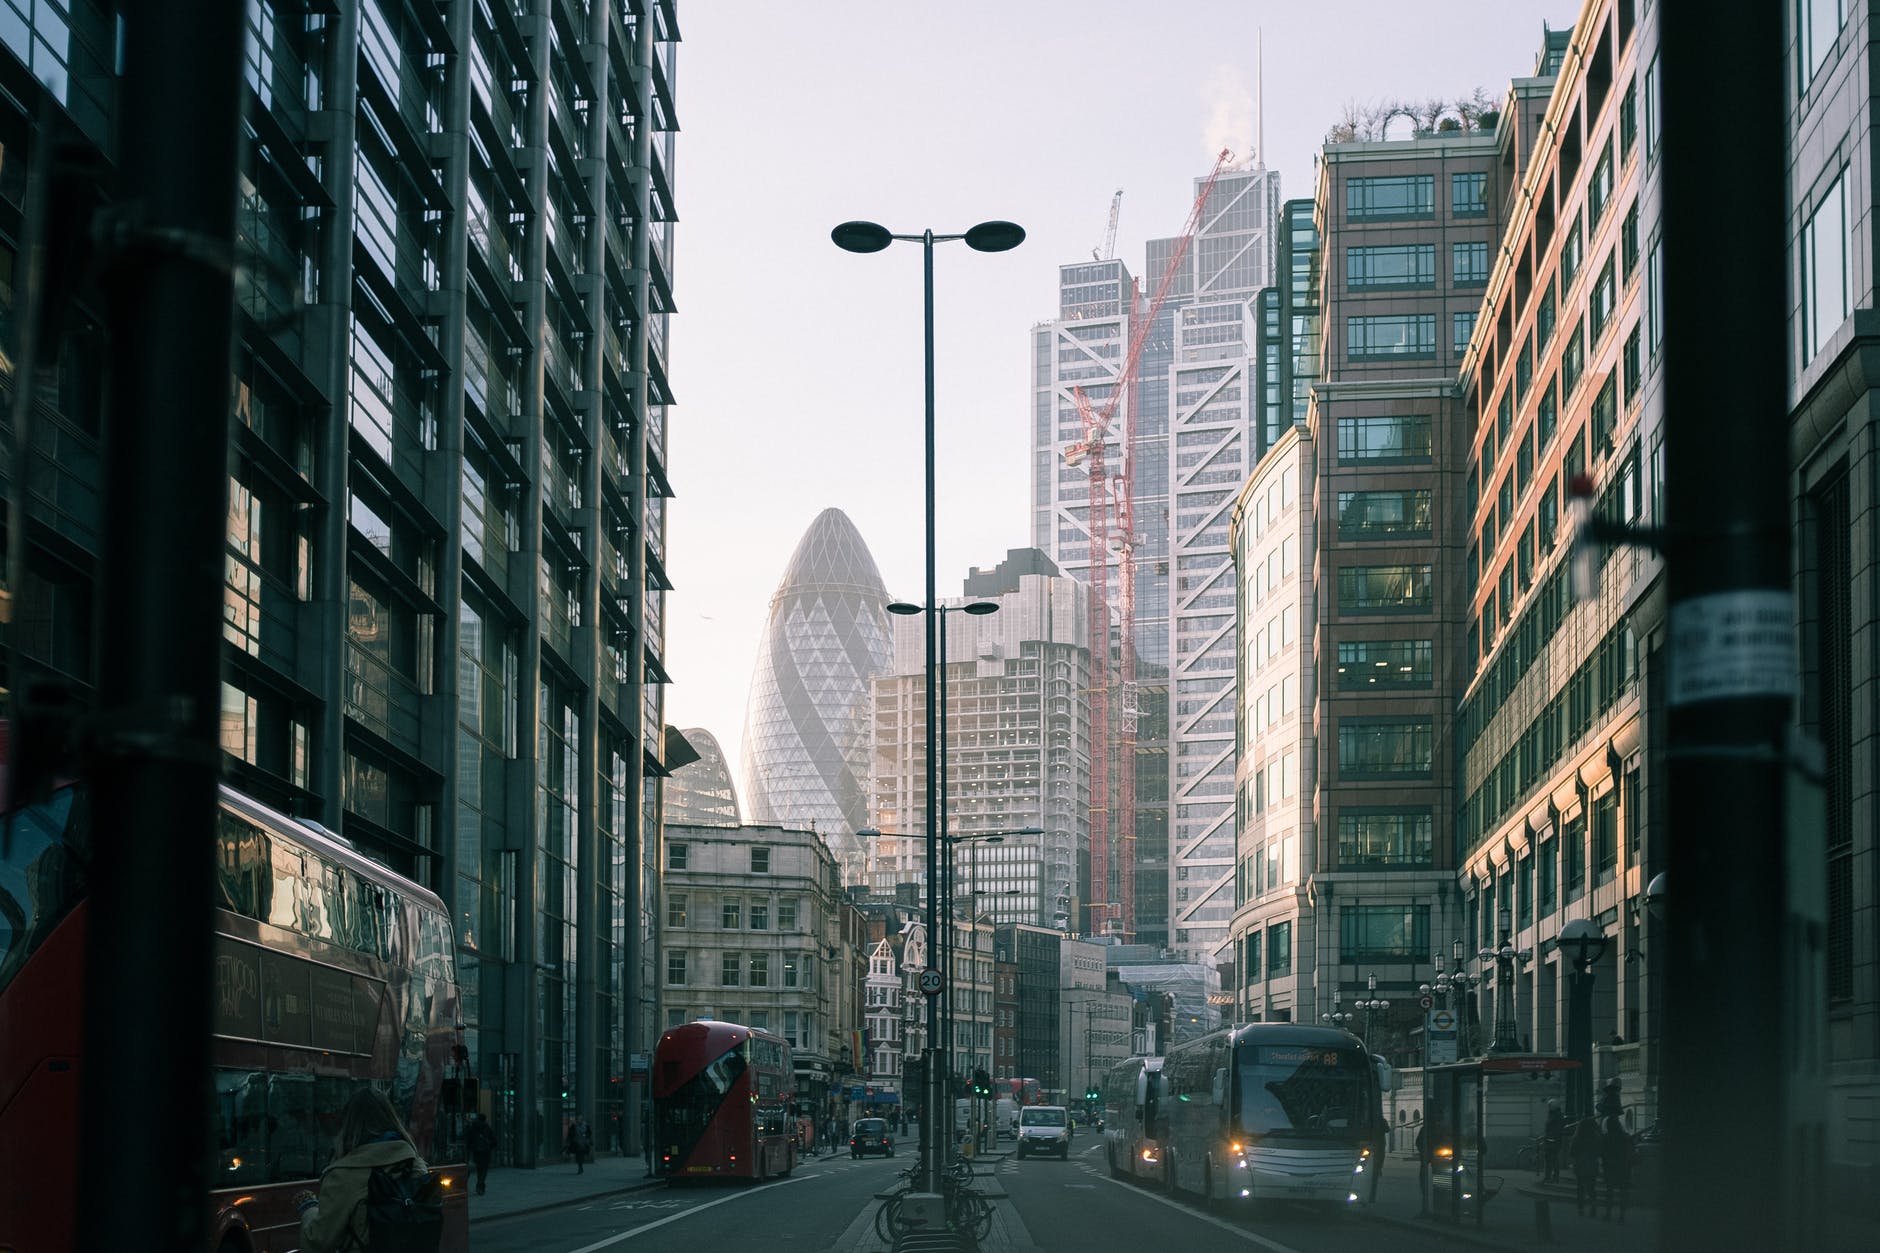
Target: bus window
241	1128
40	877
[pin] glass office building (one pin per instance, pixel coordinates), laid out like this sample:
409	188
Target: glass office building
445	564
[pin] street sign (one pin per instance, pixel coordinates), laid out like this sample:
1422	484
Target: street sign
930	982
1439	1035
1426	1002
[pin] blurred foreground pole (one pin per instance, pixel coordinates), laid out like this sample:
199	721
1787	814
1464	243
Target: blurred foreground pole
145	1124
1736	999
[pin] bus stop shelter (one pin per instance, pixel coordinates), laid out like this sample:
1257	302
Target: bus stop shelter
1454	1141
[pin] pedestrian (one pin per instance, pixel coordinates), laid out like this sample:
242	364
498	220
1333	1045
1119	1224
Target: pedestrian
480	1139
1615	1162
1584	1149
1610	1106
1552	1141
371	1137
580	1143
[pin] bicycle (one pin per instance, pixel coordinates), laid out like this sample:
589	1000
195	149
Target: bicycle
1529	1156
968	1212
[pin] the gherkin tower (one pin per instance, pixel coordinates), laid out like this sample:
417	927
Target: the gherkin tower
806	723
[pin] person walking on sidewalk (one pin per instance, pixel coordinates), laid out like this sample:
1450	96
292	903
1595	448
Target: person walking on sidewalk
1615	1161
1584	1149
480	1139
580	1143
1553	1140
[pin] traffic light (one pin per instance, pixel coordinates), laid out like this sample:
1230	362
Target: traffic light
1091	1094
982	1083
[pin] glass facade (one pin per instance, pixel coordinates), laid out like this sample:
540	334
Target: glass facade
702	793
806	723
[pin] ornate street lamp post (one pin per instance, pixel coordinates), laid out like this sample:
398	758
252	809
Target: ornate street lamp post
1507	959
1371	1005
1583	944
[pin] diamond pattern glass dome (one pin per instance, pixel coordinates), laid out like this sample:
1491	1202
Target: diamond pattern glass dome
701	794
806	723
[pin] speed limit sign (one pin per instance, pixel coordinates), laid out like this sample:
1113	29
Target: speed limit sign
930	981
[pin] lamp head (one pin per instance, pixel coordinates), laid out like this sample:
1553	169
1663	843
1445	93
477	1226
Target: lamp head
903	608
986	237
980	608
861	237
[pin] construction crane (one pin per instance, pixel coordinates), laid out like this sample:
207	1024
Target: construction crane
1115	497
1109	236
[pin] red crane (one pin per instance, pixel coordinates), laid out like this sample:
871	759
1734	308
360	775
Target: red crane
1114	913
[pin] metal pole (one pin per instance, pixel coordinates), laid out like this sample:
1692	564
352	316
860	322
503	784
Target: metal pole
1732	681
931	1146
147	1096
946	874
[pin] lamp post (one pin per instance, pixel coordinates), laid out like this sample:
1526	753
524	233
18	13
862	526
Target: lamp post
1338	1017
865	237
1371	1005
1582	943
1506	958
1459	981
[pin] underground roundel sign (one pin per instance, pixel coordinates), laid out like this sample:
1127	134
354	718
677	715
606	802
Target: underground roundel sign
930	981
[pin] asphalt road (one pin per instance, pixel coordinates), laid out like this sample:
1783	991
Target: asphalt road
1051	1207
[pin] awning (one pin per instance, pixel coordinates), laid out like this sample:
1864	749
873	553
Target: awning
884	1098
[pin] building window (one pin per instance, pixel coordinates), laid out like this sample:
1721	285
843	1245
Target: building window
1384	747
1461	327
1384	438
1524	368
1373	664
1544	315
1384	515
729	970
786	914
1379	839
1603	300
1384	933
760	915
759	1019
1391	335
1605	415
1468	195
1573	852
1606	837
789	971
1279	949
675	856
1391	266
730	921
1599	190
760	970
1371	589
1628	243
1654	107
1546	414
760	861
1468	263
1401	197
675	911
1547	870
1655	295
1825	278
1255	971
1817	29
1628	119
1572	254
675	969
1572	359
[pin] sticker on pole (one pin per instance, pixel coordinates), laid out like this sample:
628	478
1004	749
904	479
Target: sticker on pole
930	982
1731	645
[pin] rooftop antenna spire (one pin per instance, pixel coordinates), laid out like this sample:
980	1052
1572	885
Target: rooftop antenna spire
1259	96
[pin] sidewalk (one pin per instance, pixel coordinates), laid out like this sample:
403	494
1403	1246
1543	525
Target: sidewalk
1511	1221
514	1191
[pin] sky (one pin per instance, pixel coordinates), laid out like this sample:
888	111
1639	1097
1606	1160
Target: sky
796	368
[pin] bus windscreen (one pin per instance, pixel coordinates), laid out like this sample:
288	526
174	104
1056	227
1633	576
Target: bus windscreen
1303	1091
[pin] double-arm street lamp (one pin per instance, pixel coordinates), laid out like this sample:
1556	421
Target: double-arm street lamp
985	237
1459	981
1582	943
1338	1016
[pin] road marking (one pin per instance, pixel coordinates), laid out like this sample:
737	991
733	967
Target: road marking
610	1241
1262	1241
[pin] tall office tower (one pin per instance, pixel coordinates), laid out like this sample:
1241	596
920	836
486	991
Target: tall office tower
701	793
806	722
448	471
1017	739
1183	439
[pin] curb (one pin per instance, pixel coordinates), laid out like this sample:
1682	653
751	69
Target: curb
1445	1231
639	1185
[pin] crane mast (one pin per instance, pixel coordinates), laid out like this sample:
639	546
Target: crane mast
1113	908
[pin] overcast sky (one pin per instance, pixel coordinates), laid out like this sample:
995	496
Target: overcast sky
797	367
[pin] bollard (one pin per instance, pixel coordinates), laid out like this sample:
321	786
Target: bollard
1543	1222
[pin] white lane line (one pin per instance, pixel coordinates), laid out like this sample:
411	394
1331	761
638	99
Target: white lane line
1262	1241
673	1218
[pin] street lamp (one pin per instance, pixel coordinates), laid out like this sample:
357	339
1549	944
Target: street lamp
1371	1005
1460	981
867	237
1506	958
1337	1017
1582	943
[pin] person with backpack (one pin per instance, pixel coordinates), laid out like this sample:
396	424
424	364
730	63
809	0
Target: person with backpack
377	1194
480	1139
580	1143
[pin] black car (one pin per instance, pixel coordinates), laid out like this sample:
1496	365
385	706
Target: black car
871	1135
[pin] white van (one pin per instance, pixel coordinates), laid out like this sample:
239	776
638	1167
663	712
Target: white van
1044	1129
1005	1117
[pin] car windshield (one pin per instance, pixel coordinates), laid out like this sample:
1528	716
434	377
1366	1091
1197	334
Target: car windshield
1042	1118
874	1125
1303	1090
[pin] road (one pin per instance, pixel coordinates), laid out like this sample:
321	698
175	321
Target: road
1053	1207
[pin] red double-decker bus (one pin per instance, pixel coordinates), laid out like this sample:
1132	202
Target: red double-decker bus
721	1103
332	973
1020	1091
